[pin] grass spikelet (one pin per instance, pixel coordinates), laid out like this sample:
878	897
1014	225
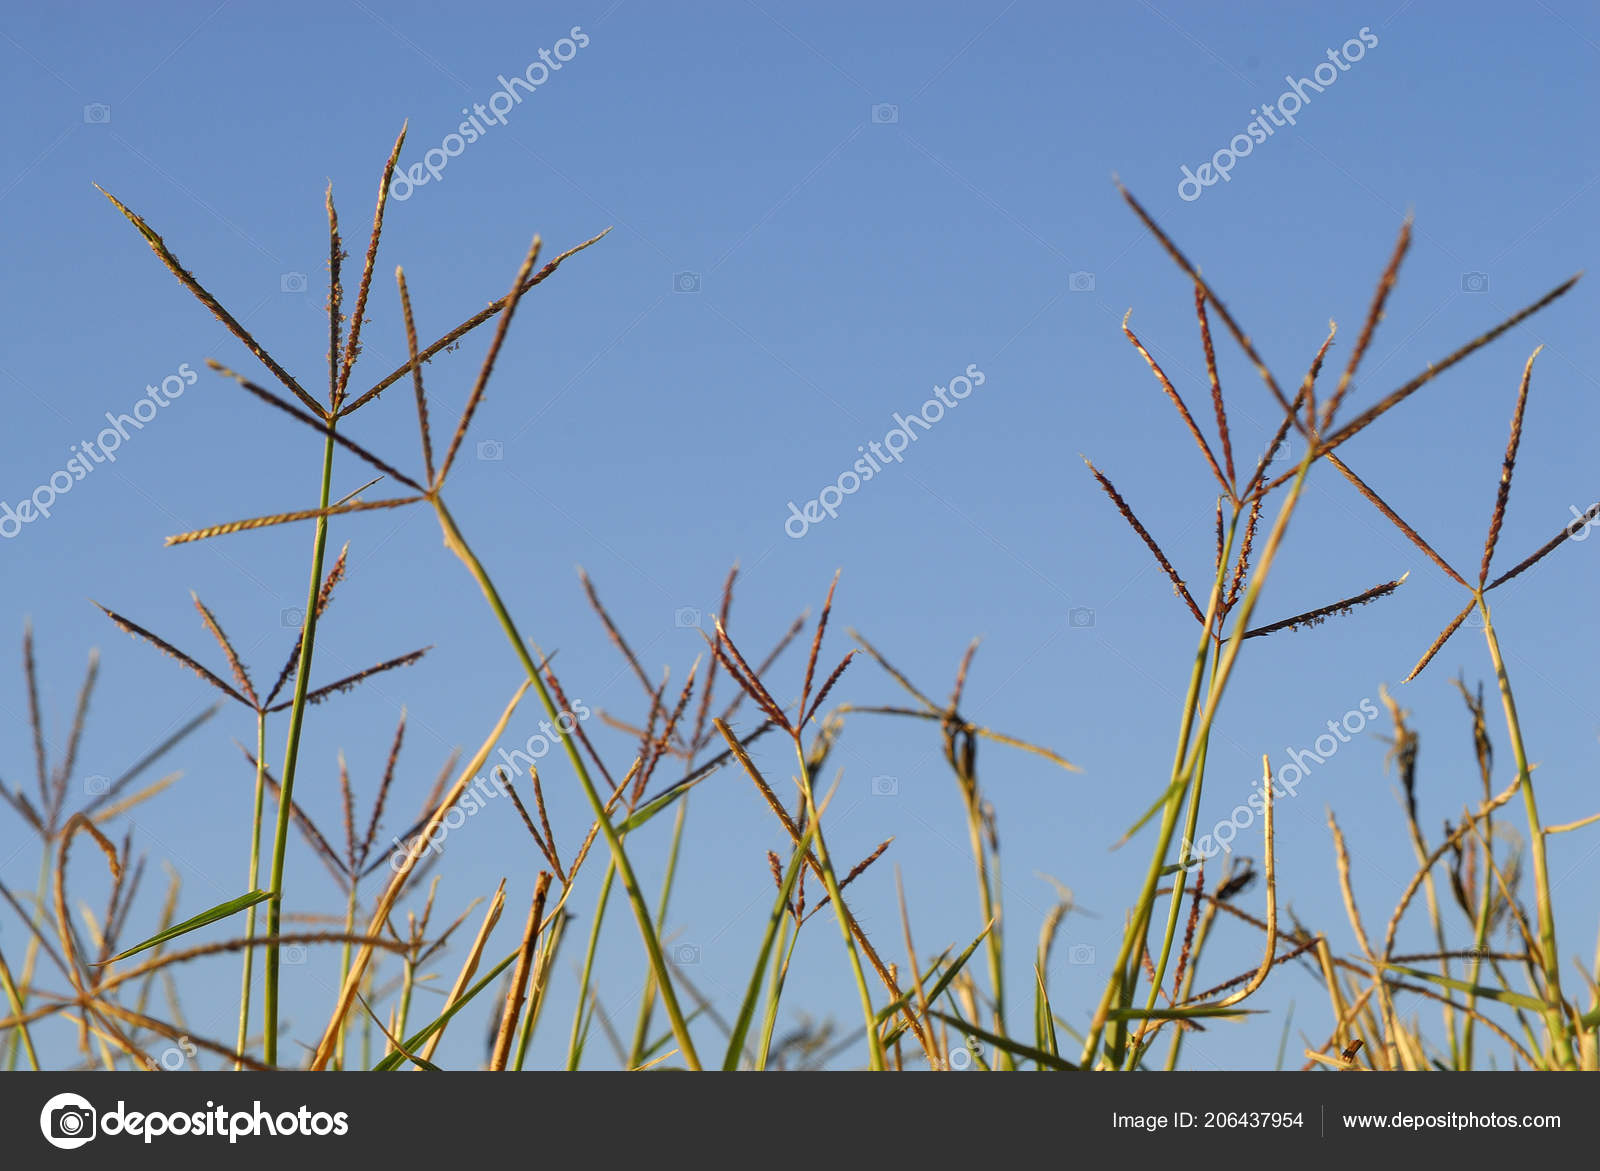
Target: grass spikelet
1503	493
1178	587
1177	401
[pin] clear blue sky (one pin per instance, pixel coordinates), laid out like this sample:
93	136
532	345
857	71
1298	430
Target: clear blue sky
819	214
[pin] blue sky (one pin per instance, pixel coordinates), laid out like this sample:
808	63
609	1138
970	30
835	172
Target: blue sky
818	216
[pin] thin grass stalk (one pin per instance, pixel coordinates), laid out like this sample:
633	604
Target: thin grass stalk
788	939
30	955
541	980
630	883
1192	818
291	757
1550	956
647	1002
247	979
1124	974
575	1046
344	968
830	880
775	927
15	1000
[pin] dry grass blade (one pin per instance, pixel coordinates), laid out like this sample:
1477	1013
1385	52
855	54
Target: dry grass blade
352	345
167	648
469	966
1178	587
1503	493
1438	643
1379	503
1337	609
1217	406
1546	549
283	518
211	303
416	377
517	995
1182	262
240	675
316	425
1177	399
469	325
1374	315
1362	421
350	681
482	384
408	864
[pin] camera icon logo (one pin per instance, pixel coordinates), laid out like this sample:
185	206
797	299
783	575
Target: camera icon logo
293	618
685	282
68	1121
1081	954
1080	617
885	786
1080	282
97	114
96	785
492	450
1474	282
293	282
686	953
1283	453
686	617
294	953
885	114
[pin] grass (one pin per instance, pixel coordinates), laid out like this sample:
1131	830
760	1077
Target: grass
951	1012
